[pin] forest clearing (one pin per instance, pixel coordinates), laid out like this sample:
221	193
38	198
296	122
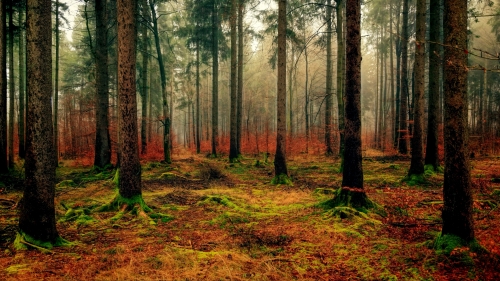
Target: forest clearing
228	222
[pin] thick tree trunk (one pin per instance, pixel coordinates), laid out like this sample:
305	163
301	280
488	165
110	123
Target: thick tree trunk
233	146
403	109
457	194
431	153
353	169
22	84
280	167
37	218
102	155
4	168
417	142
329	79
12	86
129	183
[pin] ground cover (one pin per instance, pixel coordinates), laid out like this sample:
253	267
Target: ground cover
226	221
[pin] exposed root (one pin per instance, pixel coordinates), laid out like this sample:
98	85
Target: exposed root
354	198
24	242
135	206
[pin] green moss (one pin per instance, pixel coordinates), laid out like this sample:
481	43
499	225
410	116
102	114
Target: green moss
282	179
415	179
168	176
395	166
79	216
116	177
66	183
357	200
496	192
445	244
324	191
23	242
17	268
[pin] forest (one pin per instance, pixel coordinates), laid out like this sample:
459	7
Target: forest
249	140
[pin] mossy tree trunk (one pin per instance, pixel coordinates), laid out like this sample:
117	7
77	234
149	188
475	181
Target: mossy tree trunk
352	192
37	218
129	182
280	167
457	195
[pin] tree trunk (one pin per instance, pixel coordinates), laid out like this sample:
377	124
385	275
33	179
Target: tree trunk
340	73
56	87
198	136
391	52
403	109
4	168
144	78
329	79
22	83
129	183
12	88
215	79
102	155
239	110
233	146
417	142
37	217
431	153
280	168
457	195
353	169
163	76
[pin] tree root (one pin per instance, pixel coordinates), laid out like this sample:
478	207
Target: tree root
354	198
135	206
23	242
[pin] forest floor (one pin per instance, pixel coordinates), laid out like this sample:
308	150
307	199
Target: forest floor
229	223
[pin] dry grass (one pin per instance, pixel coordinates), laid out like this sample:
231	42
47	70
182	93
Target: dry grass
239	227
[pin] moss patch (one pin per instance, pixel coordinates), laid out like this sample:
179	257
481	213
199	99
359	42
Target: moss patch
24	242
282	179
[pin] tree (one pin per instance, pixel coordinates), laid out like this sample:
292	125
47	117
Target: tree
403	108
340	72
352	193
4	168
329	79
233	145
239	106
215	77
431	152
457	193
280	168
102	156
37	223
144	75
22	80
12	84
417	142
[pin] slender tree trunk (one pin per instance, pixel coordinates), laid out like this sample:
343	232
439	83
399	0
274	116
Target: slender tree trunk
56	88
340	73
129	184
102	140
397	128
329	79
144	78
457	194
12	88
22	83
198	121
215	79
163	76
417	142
403	110
233	146
431	153
280	167
37	217
239	111
4	166
391	51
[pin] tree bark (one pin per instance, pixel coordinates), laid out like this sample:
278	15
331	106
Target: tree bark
198	121
340	73
403	109
102	155
56	87
215	79
280	167
329	79
12	85
233	145
129	183
4	165
37	217
22	83
432	152
457	195
417	142
144	78
239	110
